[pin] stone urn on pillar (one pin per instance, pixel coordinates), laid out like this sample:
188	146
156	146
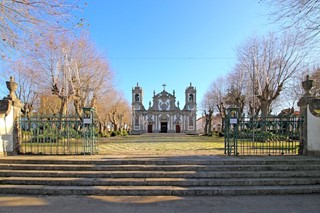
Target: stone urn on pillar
303	103
307	85
12	87
10	112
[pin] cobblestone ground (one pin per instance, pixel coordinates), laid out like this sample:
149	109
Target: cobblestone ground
161	144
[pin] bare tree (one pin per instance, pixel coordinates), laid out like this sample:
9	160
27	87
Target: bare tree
207	106
72	69
214	101
237	86
301	15
94	76
113	109
294	90
28	87
22	20
271	63
315	76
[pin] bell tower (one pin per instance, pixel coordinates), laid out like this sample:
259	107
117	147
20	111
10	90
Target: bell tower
137	97
191	97
191	108
137	110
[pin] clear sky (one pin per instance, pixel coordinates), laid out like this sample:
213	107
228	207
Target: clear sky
172	41
175	42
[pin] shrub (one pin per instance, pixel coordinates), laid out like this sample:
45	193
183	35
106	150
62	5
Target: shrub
70	133
44	139
124	132
113	133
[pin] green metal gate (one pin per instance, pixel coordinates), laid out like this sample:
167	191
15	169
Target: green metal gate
55	135
261	135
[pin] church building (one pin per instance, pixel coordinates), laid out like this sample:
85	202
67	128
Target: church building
164	115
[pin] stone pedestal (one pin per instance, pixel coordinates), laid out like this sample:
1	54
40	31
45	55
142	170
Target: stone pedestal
10	111
310	113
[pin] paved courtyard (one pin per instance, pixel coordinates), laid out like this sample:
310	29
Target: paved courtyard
161	144
155	204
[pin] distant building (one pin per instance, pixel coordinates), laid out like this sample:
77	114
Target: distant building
216	124
201	122
163	114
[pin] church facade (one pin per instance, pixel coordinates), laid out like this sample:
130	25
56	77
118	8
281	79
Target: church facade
163	114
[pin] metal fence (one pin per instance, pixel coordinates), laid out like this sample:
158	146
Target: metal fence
54	135
262	135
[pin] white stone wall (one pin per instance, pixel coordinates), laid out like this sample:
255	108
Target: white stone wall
313	132
6	132
200	125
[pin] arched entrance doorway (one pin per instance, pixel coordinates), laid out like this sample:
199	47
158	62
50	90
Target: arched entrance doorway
164	127
178	128
150	128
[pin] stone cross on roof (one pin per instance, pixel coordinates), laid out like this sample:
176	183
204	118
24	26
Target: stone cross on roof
164	86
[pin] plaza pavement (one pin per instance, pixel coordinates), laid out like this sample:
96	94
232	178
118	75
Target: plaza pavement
159	204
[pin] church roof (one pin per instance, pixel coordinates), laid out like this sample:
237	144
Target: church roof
164	94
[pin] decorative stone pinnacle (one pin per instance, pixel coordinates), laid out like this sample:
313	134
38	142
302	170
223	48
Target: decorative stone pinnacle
307	85
12	87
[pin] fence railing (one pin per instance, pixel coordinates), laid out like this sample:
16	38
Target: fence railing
56	135
263	136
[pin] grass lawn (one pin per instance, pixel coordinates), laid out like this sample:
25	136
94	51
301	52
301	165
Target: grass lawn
162	144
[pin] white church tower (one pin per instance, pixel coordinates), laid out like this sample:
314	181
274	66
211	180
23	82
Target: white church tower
191	107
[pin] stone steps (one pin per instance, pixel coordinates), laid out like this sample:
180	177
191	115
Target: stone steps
157	190
58	181
159	176
166	161
182	167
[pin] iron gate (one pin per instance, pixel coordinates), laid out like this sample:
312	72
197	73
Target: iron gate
272	135
55	135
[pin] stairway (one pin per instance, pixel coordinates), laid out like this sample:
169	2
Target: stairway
145	176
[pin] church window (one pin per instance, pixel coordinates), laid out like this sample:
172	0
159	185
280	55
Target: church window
191	120
136	120
190	97
137	97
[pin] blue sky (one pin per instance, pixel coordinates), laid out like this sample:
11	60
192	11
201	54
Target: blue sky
172	41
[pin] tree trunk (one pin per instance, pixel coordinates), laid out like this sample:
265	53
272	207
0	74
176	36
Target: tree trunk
78	108
210	122
206	126
265	108
101	129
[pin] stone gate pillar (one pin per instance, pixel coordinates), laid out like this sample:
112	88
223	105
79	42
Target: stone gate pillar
310	113
10	111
